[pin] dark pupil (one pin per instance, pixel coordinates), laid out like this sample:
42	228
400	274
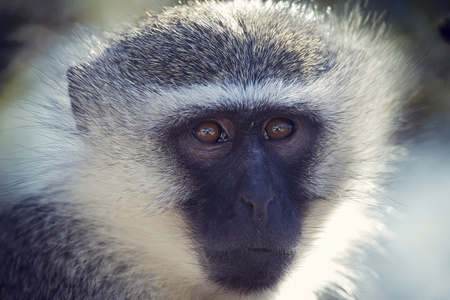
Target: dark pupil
277	128
207	131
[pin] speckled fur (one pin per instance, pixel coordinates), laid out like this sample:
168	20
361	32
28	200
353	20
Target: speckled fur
109	228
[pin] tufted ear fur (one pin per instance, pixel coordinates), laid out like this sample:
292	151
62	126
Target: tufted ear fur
86	91
74	78
79	97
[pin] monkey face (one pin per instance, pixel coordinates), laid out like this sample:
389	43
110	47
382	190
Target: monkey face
248	206
251	131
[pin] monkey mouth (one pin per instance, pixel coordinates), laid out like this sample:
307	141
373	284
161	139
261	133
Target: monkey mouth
249	270
249	253
260	250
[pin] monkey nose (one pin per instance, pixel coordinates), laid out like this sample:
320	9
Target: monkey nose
257	203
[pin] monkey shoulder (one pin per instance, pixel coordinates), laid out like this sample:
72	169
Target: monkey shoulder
48	251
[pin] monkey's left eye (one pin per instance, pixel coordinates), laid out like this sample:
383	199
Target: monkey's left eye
210	132
278	129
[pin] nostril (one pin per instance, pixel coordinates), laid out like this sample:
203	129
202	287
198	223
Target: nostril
258	204
248	203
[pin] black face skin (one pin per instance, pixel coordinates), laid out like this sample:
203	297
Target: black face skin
246	213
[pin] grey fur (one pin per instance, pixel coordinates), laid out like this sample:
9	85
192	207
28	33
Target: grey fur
108	228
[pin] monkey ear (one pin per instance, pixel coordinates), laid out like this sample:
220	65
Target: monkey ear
74	78
82	94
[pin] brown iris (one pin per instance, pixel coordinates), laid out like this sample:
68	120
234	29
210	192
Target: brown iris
208	132
278	129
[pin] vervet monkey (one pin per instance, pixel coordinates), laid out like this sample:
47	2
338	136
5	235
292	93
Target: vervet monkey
208	145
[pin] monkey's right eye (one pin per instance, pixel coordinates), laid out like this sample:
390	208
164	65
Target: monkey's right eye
210	132
278	129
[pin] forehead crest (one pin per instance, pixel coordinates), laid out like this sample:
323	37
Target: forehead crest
198	45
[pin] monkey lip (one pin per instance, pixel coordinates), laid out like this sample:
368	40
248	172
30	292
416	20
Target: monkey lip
248	270
259	250
266	249
269	250
254	254
250	251
255	249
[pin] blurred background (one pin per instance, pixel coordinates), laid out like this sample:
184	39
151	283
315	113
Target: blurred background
398	250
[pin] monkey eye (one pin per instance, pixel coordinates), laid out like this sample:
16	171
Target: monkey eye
278	129
210	132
